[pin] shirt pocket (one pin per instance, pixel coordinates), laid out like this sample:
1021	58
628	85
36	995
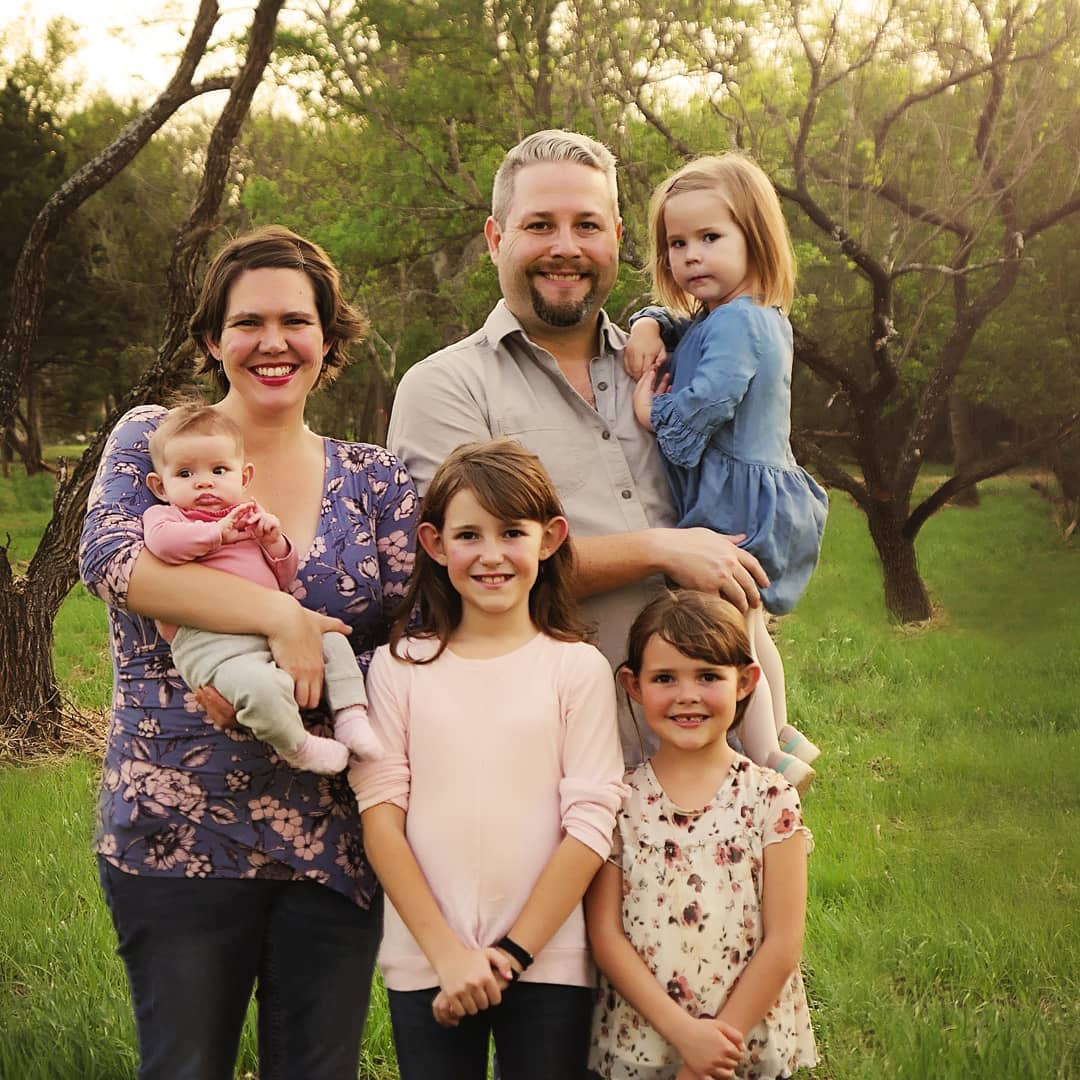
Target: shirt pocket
564	452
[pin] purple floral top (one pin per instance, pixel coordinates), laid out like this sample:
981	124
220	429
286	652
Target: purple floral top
181	799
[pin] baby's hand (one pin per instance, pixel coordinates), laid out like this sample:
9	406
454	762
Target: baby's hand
263	526
644	349
234	525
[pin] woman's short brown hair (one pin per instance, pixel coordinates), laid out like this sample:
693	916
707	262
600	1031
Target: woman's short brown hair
275	247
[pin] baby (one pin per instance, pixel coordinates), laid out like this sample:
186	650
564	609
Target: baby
199	471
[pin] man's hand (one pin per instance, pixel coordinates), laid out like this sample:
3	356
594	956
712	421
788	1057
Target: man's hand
698	558
644	349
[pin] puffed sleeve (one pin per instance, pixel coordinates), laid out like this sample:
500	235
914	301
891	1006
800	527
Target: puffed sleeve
386	780
685	421
783	816
112	535
591	789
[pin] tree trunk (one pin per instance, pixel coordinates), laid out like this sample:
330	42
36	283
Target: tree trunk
31	696
905	593
29	700
965	451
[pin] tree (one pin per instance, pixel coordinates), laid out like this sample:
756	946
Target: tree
929	147
29	698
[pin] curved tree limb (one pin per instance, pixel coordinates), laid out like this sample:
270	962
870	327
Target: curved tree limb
28	285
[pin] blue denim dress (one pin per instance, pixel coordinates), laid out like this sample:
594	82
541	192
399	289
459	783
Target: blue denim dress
724	431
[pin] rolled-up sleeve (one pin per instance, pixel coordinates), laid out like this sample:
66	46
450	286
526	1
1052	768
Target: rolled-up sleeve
112	535
591	789
386	780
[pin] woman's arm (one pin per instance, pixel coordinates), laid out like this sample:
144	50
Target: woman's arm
705	1046
783	914
115	565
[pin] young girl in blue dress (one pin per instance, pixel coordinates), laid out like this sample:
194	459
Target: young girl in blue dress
722	417
696	920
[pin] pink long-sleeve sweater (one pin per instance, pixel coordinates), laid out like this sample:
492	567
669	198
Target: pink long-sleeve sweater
494	761
176	535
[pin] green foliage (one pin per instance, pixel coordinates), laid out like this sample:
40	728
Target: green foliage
941	937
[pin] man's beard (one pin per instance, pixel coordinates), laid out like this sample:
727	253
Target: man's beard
569	313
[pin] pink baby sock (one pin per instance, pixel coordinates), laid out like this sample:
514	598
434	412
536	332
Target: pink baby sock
319	755
353	728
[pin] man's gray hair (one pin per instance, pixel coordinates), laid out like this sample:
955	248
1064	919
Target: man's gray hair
543	147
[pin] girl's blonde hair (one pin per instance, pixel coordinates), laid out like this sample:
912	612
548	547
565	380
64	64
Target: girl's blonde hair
701	625
754	205
512	485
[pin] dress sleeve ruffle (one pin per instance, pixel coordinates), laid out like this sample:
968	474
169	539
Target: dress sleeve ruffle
783	817
686	420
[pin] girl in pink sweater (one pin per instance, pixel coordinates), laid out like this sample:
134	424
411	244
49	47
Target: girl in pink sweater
495	802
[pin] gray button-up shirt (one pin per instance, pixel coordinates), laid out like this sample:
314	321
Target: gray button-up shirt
605	466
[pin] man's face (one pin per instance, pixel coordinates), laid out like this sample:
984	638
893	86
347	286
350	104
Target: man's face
558	250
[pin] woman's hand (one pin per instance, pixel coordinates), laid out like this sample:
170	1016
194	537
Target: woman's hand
296	645
644	349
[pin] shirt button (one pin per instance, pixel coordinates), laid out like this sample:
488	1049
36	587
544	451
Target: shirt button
627	493
601	386
605	435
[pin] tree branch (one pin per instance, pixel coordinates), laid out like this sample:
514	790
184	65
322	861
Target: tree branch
992	467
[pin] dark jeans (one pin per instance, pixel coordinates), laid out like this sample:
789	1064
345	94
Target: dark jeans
541	1033
194	948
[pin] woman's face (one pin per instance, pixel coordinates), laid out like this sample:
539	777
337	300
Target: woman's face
271	345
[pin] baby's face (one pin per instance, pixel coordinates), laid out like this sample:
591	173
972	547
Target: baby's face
204	472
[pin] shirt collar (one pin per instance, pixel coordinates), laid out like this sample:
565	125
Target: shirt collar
502	322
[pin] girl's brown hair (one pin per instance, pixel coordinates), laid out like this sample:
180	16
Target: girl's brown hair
753	204
701	625
512	485
277	248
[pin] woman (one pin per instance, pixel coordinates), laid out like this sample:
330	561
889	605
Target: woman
222	867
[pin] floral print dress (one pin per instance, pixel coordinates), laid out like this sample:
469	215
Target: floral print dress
180	798
692	884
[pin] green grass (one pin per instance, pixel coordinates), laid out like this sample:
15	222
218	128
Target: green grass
942	936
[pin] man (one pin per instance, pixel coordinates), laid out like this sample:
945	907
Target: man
546	369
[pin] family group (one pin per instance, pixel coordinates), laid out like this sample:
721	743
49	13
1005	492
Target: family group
495	707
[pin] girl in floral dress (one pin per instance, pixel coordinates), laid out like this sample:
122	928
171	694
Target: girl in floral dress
495	802
696	921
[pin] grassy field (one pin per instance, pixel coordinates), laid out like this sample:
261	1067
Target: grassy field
942	938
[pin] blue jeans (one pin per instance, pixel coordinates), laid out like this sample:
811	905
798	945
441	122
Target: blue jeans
195	948
541	1033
